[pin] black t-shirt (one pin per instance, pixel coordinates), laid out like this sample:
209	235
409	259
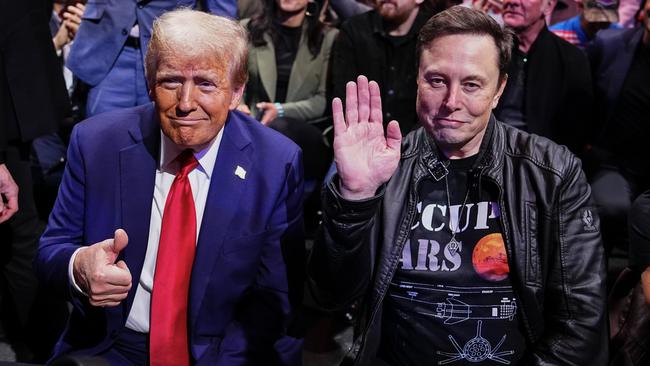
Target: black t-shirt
447	306
628	133
513	101
286	44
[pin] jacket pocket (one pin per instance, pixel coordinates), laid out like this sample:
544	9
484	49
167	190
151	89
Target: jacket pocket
533	269
94	10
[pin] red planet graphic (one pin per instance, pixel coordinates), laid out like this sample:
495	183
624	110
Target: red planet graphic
489	258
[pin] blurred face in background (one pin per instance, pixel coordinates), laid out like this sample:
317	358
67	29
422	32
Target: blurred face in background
523	14
397	11
291	6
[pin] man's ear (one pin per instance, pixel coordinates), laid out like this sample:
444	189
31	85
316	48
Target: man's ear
497	96
548	7
237	94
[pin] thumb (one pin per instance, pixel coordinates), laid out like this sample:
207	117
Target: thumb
393	136
261	105
122	264
120	240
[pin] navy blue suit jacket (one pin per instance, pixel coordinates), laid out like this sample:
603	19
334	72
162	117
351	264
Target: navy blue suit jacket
106	25
250	250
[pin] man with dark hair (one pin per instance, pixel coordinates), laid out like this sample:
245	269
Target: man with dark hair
549	90
381	45
469	241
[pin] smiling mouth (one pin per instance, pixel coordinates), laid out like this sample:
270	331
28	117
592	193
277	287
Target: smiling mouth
187	121
448	120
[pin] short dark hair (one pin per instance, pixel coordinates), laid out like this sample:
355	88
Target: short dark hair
462	20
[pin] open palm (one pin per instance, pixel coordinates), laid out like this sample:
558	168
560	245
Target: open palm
365	157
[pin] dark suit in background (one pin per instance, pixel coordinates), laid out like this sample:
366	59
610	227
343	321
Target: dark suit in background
558	95
619	159
33	100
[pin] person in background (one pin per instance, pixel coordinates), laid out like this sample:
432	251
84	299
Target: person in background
287	73
595	15
289	57
110	46
620	63
33	100
381	45
549	90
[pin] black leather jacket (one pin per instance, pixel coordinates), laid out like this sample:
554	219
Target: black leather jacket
550	228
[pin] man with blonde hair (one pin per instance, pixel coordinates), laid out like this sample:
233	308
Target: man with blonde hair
174	222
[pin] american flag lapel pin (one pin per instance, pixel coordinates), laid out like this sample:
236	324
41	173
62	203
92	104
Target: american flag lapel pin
240	172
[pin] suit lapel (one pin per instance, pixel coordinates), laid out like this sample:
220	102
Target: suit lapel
266	65
225	191
137	180
300	68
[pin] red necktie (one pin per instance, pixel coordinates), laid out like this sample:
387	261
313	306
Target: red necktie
168	341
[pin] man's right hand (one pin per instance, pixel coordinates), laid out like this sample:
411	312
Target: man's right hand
105	282
365	158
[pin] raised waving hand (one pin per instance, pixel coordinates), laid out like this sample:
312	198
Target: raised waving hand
365	157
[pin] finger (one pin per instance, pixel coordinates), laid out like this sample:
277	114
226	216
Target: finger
363	98
71	17
112	300
262	105
116	276
393	136
71	26
78	11
105	304
122	265
376	114
337	117
103	292
351	107
120	241
266	118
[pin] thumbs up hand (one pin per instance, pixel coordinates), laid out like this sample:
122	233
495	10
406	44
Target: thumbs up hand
105	282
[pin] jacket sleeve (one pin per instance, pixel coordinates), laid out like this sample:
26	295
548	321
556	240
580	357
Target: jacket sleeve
268	310
314	106
340	265
226	8
575	308
64	233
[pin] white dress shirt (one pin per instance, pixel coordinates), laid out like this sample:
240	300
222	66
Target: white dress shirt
138	318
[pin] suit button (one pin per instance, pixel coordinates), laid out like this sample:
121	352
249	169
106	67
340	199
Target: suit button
125	32
140	6
114	334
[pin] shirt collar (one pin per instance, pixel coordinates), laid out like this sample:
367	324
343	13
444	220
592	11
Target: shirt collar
206	157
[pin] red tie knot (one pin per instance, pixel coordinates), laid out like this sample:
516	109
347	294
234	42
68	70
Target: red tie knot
188	162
